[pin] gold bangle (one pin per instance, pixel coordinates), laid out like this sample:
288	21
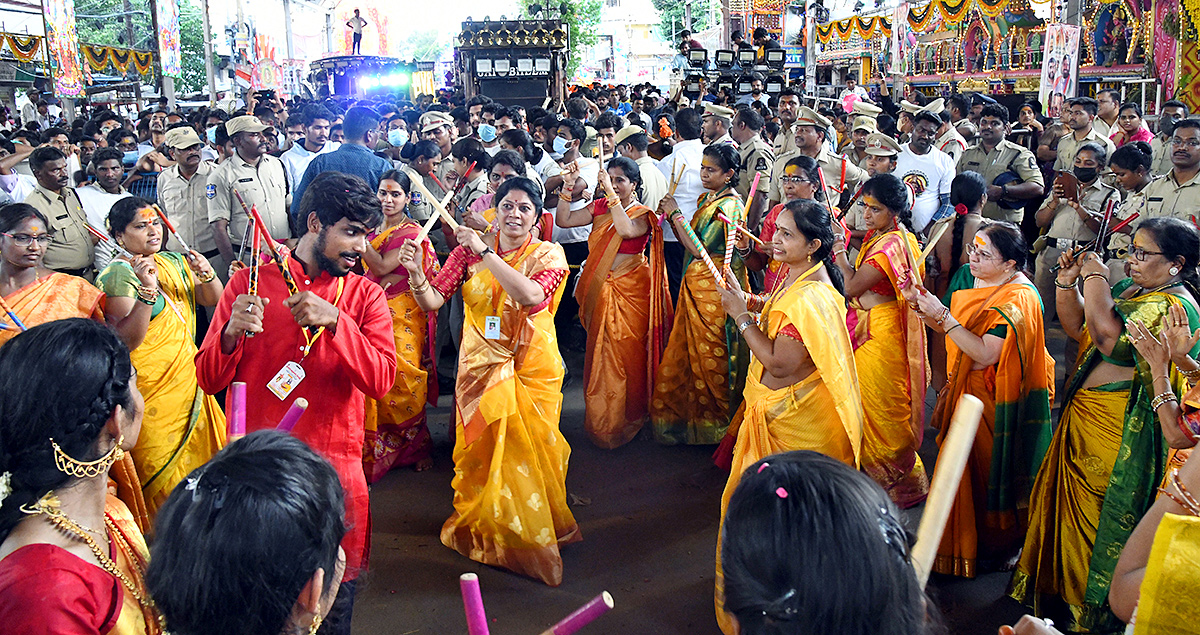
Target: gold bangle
205	279
1094	275
1191	375
1161	399
739	316
1066	286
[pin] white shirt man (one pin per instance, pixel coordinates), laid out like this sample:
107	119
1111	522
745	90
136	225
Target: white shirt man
296	160
96	204
687	193
928	176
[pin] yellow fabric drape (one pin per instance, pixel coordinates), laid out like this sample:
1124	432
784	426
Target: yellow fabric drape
510	498
1167	603
133	619
822	412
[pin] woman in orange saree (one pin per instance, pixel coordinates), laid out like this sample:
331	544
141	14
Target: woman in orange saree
72	559
510	491
36	295
801	388
624	303
396	432
889	341
996	351
699	384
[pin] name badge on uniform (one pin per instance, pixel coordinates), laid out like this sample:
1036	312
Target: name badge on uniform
491	327
286	380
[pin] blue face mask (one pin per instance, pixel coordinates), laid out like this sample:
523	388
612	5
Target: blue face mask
211	134
397	138
487	132
561	145
130	158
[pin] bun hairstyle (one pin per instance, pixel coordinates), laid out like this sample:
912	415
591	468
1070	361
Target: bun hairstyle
1133	156
36	405
1176	239
812	219
966	195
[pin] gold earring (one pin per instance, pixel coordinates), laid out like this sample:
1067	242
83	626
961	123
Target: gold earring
90	469
316	624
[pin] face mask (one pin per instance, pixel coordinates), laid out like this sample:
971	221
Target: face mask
487	132
130	158
211	134
1086	175
561	145
397	138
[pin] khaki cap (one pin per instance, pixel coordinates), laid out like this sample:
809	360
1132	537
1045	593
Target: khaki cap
936	106
434	120
865	109
625	133
719	111
881	145
865	123
245	123
810	117
909	107
180	138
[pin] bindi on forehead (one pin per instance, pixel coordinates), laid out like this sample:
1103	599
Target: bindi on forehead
979	241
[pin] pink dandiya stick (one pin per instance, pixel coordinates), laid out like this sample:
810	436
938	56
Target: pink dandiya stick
292	415
725	219
753	190
473	604
237	410
598	606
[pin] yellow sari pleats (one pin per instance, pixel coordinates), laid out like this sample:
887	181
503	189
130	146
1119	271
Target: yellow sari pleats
396	434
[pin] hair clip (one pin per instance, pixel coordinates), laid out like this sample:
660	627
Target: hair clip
762	467
781	493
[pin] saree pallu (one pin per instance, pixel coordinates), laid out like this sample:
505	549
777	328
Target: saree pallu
822	412
1085	502
182	427
626	312
395	430
1167	603
893	373
699	382
134	618
774	272
57	296
510	459
990	510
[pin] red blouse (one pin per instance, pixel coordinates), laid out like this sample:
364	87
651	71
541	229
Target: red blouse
454	273
628	245
47	590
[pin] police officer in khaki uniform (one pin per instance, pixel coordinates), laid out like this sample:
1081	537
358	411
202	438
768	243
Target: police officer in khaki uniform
182	197
1171	112
788	109
842	177
715	124
260	179
71	247
882	151
1177	193
1081	112
863	127
439	128
757	158
1071	223
994	155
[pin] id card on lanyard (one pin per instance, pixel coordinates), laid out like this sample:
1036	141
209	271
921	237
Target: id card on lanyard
292	373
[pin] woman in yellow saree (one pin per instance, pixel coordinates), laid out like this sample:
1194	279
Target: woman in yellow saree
996	351
72	559
889	341
624	303
801	388
396	433
703	370
152	300
1086	500
34	294
510	492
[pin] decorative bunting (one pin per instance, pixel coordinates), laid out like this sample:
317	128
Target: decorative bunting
97	56
23	47
120	58
143	61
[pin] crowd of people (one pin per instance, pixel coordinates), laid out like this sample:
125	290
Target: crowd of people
782	281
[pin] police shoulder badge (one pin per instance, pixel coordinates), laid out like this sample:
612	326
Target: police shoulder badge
210	191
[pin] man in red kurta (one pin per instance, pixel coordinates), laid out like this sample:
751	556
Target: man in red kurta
335	334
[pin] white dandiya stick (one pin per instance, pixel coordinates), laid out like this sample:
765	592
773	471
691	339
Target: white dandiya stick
587	613
725	219
292	415
938	230
951	463
427	227
473	604
441	209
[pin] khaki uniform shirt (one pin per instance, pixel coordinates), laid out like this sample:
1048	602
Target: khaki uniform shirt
1068	147
1004	157
418	208
263	186
757	157
468	195
654	184
183	200
1161	147
841	175
1101	126
1068	226
1165	196
71	247
951	143
785	141
861	163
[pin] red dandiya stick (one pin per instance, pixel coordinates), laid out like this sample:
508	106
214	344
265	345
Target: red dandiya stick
237	410
587	613
261	228
473	604
828	203
746	232
292	415
105	238
187	251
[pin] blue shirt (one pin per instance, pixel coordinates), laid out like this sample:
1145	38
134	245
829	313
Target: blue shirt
348	159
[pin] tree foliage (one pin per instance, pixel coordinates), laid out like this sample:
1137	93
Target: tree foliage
582	18
673	13
423	46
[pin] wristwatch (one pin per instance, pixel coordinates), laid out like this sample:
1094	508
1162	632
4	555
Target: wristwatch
1004	191
486	250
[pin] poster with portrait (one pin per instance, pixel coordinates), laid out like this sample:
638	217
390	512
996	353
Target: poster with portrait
168	38
1060	67
64	47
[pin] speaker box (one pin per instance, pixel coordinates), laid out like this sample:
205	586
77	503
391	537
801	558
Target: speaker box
529	92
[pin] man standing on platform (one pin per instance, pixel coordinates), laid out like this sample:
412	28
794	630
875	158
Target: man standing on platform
258	177
356	25
330	341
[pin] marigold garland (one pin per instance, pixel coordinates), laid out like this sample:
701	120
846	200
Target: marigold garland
23	47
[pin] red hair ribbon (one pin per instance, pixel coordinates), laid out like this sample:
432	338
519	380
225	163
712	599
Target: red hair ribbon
961	209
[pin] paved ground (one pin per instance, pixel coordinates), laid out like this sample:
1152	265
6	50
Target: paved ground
649	519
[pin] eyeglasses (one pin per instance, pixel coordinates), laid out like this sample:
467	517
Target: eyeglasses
24	240
1191	144
975	250
1140	254
795	180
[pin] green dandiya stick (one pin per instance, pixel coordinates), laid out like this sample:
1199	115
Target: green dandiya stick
708	261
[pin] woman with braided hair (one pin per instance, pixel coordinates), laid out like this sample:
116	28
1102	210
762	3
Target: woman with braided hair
71	556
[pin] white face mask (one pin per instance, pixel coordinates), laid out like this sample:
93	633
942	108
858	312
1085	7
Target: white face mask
397	138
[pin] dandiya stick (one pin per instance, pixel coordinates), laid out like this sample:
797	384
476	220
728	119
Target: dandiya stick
245	239
936	236
437	205
1115	228
828	203
427	227
292	415
708	261
473	604
946	477
12	316
237	410
583	616
104	238
676	179
187	251
753	190
742	230
261	228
